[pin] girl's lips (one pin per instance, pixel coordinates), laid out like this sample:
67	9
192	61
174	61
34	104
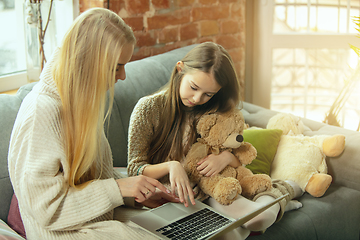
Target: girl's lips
192	104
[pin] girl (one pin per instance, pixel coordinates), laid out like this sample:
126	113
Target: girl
162	129
60	161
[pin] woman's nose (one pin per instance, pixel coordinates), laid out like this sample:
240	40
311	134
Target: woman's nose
122	75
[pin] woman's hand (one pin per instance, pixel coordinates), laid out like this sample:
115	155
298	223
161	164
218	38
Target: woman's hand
214	164
180	181
140	187
158	199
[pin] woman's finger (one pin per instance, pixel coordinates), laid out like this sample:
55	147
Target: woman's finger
156	184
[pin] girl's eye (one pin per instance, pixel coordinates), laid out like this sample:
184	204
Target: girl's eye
209	95
193	88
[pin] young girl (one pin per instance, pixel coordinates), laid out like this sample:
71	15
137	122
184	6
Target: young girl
162	129
60	161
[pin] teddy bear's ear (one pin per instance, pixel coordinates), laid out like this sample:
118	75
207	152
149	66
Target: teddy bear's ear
205	123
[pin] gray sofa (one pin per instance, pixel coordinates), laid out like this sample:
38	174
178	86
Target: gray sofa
336	215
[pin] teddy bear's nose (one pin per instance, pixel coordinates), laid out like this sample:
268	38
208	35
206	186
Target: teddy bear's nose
239	138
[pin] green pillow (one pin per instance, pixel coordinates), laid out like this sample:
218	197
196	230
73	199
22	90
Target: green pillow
266	142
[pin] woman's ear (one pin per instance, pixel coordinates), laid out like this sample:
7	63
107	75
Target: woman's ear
179	66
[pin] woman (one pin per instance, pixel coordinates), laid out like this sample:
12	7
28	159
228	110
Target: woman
162	129
60	162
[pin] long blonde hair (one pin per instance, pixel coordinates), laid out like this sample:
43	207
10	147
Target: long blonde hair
208	57
84	71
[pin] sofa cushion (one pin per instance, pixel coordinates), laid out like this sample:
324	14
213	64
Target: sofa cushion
266	142
14	218
9	107
8	110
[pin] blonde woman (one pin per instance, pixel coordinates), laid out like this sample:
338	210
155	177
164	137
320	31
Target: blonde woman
60	162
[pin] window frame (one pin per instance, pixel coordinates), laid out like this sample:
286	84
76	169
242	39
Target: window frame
261	41
17	79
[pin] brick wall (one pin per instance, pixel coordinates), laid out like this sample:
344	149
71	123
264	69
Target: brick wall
163	25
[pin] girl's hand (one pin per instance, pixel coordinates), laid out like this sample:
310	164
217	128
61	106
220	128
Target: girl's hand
140	187
180	181
213	164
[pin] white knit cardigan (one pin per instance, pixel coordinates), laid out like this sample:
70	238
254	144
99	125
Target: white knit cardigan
49	207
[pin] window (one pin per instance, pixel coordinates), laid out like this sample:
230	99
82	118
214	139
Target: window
302	58
13	64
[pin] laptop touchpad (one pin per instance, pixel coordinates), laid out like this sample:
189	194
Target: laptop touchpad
170	212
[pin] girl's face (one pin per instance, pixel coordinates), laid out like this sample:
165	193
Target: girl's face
197	88
125	56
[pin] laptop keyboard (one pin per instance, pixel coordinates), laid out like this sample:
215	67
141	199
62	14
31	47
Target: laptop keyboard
195	226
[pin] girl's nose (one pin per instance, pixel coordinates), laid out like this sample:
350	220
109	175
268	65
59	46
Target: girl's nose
197	98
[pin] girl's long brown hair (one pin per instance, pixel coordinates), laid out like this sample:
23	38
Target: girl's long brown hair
209	57
84	71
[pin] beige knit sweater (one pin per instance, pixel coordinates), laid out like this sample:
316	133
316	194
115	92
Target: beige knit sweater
49	208
143	122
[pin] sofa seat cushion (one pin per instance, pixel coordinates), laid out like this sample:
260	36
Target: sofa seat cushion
333	216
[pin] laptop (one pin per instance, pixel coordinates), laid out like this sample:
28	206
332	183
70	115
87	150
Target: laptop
199	221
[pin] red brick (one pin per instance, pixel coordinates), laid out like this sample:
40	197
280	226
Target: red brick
137	6
231	1
230	26
116	5
208	2
161	4
94	4
168	47
210	13
237	10
189	31
206	39
184	3
145	39
208	28
228	41
236	54
86	4
170	34
173	18
140	53
136	23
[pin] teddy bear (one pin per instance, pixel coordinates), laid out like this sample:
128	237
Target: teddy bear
302	159
223	132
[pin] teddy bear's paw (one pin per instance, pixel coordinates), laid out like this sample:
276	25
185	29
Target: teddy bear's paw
292	205
226	190
255	184
318	184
